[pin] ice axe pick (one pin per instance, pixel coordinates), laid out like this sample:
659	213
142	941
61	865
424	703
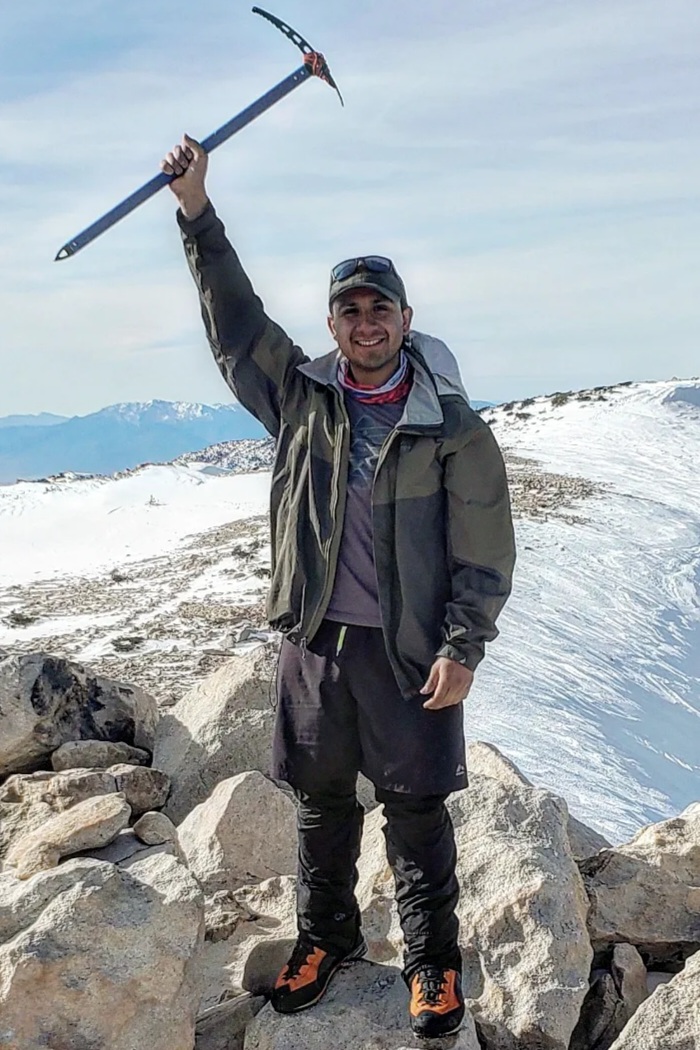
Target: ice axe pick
314	65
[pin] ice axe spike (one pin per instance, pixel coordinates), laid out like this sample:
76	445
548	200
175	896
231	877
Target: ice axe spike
314	65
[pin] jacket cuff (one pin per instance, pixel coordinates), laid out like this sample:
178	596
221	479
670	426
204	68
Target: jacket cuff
203	222
470	659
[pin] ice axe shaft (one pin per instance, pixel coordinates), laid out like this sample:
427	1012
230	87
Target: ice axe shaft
314	65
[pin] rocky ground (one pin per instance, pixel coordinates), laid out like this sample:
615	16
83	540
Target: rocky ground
167	622
147	891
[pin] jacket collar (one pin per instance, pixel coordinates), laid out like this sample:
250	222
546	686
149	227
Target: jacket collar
423	407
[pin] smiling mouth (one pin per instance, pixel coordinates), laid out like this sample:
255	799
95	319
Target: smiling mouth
370	342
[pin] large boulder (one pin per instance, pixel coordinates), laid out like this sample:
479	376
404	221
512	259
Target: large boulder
96	956
522	915
365	1008
87	825
221	727
244	832
522	912
46	701
647	892
670	1018
487	760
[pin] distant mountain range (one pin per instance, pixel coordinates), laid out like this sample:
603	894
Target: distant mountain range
116	438
42	419
119	437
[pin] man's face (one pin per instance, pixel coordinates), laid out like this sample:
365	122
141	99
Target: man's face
368	328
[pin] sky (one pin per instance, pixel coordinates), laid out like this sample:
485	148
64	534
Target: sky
530	165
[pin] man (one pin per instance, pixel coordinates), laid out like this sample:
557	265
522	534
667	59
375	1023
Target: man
392	554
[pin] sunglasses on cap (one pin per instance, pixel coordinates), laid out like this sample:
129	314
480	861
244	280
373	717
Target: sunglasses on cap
368	263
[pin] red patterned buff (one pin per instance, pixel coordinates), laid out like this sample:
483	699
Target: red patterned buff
396	388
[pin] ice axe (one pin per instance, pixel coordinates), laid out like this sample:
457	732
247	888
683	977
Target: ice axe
314	65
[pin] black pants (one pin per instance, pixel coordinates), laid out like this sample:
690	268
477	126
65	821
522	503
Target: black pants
340	711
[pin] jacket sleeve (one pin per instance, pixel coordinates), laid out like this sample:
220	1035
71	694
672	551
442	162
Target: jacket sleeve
256	357
481	546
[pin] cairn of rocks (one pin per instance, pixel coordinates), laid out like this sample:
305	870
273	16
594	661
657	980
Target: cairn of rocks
147	889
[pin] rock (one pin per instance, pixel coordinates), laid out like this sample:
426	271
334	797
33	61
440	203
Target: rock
27	800
244	832
250	935
657	977
487	760
614	997
154	829
46	701
95	956
670	1018
97	754
87	825
58	790
144	788
365	1008
222	727
647	892
584	841
223	1026
522	912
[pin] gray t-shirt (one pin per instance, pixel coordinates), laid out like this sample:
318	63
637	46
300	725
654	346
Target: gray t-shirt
355	597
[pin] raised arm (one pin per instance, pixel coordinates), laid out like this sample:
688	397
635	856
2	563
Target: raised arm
256	357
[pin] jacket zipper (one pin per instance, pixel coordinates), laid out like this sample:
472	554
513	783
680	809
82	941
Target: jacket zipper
337	497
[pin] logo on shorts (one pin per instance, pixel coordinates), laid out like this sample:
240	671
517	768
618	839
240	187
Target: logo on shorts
460	770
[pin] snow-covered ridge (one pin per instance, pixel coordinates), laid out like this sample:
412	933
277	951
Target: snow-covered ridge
160	411
593	687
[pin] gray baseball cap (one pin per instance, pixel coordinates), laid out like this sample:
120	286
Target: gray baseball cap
368	271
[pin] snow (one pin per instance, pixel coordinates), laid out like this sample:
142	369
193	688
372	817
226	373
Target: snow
87	526
593	687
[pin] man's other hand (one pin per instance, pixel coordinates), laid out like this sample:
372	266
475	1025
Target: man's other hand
449	682
188	162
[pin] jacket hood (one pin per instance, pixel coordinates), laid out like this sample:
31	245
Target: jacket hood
436	374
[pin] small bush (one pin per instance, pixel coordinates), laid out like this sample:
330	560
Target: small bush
126	643
560	398
17	618
523	415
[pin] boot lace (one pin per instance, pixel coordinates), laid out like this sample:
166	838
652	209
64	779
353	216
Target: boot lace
432	981
298	959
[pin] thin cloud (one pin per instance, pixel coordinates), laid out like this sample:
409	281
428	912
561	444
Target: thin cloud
530	165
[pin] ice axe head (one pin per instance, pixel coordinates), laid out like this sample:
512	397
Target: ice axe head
314	60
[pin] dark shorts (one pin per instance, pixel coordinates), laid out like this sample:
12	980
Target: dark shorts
340	711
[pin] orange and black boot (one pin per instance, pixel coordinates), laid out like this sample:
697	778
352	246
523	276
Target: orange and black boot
437	1003
306	976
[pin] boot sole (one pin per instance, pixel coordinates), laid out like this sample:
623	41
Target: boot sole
443	1035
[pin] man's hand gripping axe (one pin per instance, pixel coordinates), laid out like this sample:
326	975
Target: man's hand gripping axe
314	65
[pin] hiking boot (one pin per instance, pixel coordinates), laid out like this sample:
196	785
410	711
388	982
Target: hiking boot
306	976
437	1003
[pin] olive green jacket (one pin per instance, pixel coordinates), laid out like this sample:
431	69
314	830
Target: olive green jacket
443	534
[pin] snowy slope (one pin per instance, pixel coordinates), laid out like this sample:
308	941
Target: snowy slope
593	687
85	526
